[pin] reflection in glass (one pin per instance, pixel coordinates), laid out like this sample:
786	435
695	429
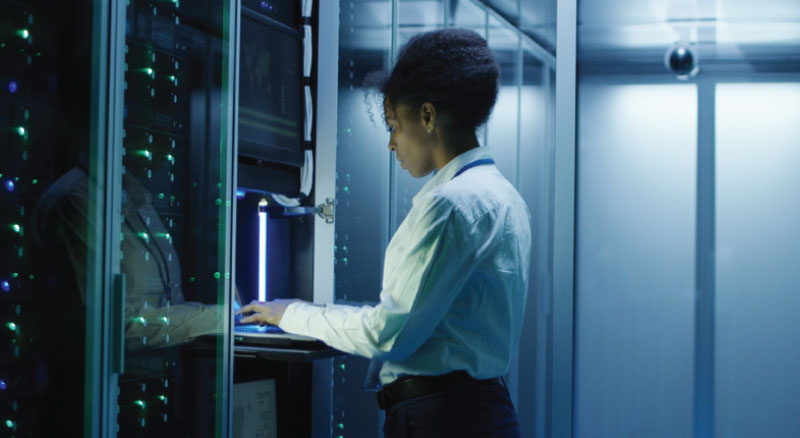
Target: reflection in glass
173	213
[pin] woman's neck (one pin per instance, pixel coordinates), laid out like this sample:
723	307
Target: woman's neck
452	145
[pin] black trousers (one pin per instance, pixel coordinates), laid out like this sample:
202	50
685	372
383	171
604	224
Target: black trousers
476	409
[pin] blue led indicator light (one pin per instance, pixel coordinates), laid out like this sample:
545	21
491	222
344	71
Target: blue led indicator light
12	87
3	385
5	286
9	185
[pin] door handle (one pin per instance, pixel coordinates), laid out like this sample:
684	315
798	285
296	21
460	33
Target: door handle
118	325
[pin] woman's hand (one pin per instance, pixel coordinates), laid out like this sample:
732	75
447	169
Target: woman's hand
265	312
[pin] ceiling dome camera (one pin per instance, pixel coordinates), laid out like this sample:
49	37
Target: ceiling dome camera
682	60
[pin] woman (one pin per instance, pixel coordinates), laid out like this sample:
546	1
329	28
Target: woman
456	271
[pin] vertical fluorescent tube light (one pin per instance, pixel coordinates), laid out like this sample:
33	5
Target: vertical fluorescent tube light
262	250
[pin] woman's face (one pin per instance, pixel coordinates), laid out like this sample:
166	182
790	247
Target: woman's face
409	138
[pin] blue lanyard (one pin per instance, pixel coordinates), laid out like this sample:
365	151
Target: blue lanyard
473	164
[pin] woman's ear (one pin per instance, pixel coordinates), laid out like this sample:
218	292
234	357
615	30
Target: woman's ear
428	116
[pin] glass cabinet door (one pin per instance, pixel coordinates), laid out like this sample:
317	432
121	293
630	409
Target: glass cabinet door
174	219
51	174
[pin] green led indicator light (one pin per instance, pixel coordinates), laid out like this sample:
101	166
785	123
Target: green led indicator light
341	366
346	189
15	275
192	279
341	425
140	319
144	236
11	326
161	196
9	424
24	33
145	153
35	181
217	275
21	131
218	201
141	403
30	277
170	158
166	321
16	228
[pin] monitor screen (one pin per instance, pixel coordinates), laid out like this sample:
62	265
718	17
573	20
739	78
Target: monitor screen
270	90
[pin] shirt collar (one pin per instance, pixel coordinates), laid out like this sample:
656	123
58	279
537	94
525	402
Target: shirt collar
449	170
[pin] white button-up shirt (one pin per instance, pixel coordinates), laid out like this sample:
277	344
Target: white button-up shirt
455	282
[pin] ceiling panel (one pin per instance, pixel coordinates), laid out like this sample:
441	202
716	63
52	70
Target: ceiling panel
624	24
595	12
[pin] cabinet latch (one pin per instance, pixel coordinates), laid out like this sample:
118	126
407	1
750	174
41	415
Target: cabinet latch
325	211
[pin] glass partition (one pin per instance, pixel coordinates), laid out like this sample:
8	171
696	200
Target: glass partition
175	212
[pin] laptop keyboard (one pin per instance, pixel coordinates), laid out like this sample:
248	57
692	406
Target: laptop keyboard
254	328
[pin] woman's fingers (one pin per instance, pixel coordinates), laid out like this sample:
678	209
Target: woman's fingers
254	306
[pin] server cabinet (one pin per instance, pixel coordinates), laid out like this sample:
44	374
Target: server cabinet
51	235
174	224
115	128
